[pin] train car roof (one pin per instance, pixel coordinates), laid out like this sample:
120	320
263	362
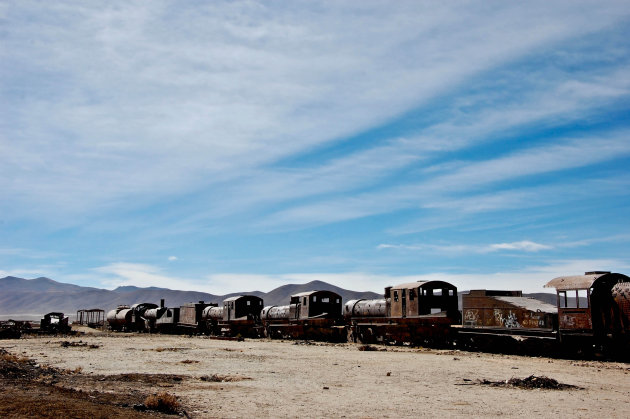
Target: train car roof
579	281
421	284
530	304
308	293
238	297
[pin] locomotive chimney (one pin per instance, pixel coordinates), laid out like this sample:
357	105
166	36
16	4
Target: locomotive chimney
162	303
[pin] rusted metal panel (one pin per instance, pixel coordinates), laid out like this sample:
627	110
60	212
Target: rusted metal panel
502	309
621	296
431	330
575	319
317	329
190	314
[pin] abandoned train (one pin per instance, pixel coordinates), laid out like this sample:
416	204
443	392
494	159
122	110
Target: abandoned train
591	311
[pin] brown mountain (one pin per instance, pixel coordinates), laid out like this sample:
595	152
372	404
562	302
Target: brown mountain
29	299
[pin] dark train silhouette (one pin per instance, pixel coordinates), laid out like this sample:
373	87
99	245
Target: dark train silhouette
592	312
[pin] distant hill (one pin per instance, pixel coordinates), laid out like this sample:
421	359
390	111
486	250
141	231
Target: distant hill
32	298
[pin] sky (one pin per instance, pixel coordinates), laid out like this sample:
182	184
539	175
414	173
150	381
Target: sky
239	146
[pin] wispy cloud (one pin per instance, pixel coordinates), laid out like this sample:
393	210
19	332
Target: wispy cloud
431	191
205	130
523	246
133	104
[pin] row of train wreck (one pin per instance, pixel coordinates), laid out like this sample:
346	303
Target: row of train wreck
51	323
592	312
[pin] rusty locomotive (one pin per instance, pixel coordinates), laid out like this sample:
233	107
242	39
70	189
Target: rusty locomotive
592	311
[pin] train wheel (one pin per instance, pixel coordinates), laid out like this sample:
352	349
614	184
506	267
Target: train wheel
351	337
366	335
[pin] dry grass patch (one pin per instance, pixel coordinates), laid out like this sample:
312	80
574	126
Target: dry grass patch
160	349
162	402
219	378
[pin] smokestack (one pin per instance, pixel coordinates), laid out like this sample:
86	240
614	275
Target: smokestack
162	303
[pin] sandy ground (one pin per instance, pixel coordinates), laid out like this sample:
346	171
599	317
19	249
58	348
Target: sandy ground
290	379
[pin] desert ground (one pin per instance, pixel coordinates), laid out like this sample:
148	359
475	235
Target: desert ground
264	378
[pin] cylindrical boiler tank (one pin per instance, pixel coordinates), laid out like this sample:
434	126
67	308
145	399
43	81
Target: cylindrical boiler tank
275	312
365	308
152	314
212	313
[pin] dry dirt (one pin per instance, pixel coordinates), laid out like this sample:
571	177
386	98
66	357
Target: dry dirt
218	378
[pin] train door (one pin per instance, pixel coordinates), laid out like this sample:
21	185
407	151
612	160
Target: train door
404	302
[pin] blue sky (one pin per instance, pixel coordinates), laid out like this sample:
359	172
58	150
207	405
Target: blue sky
234	146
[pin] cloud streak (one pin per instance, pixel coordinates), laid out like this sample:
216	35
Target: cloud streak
520	246
130	101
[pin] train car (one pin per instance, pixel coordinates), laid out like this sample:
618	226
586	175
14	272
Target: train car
417	313
191	317
152	315
237	316
621	295
167	320
505	321
592	310
54	322
93	317
130	319
119	317
309	315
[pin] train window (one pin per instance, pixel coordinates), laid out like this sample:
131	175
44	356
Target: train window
435	310
249	303
395	295
567	299
582	299
412	294
451	292
326	300
337	301
437	292
314	298
305	300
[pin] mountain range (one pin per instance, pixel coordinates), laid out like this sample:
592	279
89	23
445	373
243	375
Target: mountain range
30	299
